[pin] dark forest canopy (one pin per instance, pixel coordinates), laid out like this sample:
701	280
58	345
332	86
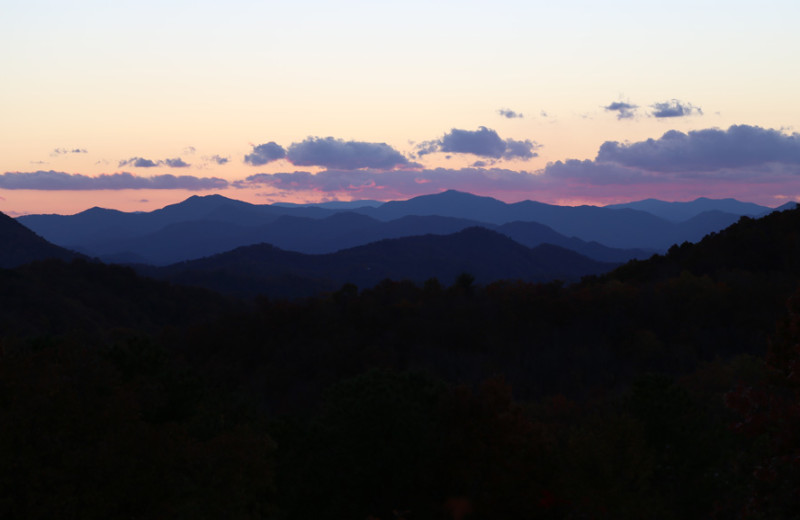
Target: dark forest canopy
446	398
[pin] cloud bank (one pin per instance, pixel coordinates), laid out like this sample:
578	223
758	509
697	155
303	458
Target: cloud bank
706	150
483	142
746	162
53	180
392	184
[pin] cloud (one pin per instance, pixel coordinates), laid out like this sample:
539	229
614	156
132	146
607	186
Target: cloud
176	163
189	150
510	114
53	180
706	150
139	162
394	184
483	142
623	110
265	153
744	162
62	151
219	160
338	154
674	108
520	149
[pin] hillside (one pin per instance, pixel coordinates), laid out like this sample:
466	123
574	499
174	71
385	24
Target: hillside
19	245
484	254
669	373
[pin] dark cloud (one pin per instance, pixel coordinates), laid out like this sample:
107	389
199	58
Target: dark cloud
338	154
483	142
674	108
265	153
176	163
139	162
510	114
189	150
220	160
520	149
706	150
623	110
594	173
62	151
52	180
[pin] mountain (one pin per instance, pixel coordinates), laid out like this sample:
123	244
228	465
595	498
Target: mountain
449	203
19	245
532	234
782	207
199	238
768	247
99	224
485	254
333	204
682	211
211	224
619	228
54	297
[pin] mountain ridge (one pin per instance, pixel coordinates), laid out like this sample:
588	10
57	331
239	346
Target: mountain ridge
101	232
485	254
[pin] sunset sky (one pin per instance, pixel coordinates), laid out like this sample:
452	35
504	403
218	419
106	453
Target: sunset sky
134	105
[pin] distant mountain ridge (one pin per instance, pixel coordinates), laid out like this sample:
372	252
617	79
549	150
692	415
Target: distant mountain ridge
486	255
202	226
682	211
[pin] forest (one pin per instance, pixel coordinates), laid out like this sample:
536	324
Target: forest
666	388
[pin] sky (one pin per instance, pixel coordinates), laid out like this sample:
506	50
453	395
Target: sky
135	105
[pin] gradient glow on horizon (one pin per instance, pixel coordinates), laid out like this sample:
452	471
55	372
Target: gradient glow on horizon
202	80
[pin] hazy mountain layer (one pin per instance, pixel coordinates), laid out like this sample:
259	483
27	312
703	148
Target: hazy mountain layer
682	211
201	226
484	254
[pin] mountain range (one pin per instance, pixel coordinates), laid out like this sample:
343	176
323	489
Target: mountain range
484	254
203	226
